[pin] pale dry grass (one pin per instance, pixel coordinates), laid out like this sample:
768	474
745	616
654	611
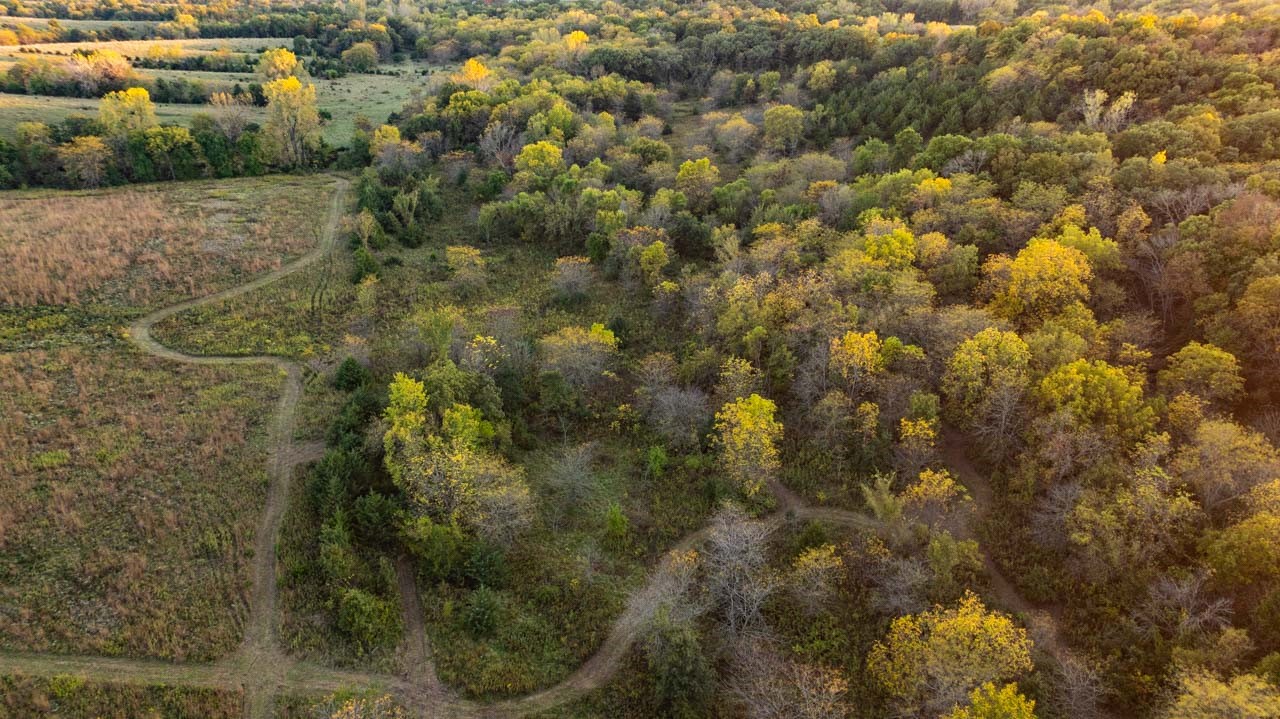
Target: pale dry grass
131	492
141	246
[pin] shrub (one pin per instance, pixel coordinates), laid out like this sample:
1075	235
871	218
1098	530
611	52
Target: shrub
372	622
365	264
481	613
616	525
350	375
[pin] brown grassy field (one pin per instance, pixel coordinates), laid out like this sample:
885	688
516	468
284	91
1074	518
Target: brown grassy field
133	490
139	48
74	698
155	244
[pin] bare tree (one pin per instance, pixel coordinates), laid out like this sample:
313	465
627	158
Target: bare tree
573	277
901	586
1049	520
501	142
671	589
572	478
1079	690
737	568
1002	414
769	686
231	113
1178	608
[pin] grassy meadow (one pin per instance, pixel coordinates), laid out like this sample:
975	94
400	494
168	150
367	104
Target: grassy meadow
140	48
136	484
69	697
344	98
134	491
41	23
104	256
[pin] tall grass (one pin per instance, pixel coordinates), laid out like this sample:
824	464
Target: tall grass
143	246
132	489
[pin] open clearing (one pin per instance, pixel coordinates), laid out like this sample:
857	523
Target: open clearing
133	496
139	48
40	23
344	98
49	110
146	245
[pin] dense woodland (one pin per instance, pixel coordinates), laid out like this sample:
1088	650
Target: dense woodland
953	326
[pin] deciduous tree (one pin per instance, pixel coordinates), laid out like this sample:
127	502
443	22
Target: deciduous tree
293	123
930	662
125	111
747	435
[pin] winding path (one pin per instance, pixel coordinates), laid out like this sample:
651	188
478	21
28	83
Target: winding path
262	669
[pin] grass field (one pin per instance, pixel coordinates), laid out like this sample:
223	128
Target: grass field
135	484
373	96
133	495
71	697
148	245
301	316
47	109
139	48
40	23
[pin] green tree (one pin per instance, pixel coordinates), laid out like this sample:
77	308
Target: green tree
1206	371
174	149
981	371
361	57
653	260
681	675
784	127
822	77
538	162
373	623
1246	553
1258	313
697	179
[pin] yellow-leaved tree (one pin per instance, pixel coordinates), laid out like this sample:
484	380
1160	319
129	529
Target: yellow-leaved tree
278	63
124	111
747	435
85	159
293	123
475	74
1043	280
931	662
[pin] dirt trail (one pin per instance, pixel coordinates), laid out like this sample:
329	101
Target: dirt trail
1045	620
417	666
